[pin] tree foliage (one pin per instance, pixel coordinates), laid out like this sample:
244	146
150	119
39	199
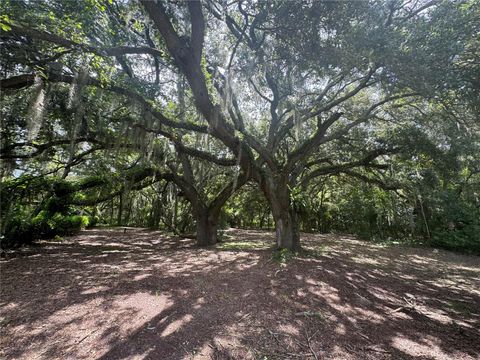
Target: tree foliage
354	116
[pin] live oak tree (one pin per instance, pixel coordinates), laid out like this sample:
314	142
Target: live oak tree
308	68
198	173
120	129
206	211
146	162
291	91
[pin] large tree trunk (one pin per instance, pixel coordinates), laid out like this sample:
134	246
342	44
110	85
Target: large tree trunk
284	215
287	231
207	224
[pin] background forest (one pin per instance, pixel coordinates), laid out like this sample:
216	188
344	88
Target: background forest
317	116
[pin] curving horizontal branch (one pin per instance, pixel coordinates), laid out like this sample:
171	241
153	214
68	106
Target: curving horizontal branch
366	161
6	152
189	150
370	180
137	182
24	30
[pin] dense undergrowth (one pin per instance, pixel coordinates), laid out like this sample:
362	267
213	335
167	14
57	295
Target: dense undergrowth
34	208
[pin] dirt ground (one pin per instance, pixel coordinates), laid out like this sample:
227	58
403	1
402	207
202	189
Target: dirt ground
104	294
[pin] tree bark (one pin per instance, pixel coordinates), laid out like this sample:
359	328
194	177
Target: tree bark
207	225
285	217
120	209
287	231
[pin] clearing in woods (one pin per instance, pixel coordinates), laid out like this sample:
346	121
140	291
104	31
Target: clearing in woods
106	294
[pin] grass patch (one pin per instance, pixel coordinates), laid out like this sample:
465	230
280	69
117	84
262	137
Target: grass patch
58	238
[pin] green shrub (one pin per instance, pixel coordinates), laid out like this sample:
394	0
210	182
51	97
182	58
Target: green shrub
22	231
457	227
18	231
93	220
67	225
466	239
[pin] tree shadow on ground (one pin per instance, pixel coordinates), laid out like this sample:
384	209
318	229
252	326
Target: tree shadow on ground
107	294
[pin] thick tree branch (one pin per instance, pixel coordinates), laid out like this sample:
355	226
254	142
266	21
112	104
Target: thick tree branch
363	118
360	86
366	161
311	144
185	60
217	203
24	30
198	28
135	180
6	152
189	150
381	184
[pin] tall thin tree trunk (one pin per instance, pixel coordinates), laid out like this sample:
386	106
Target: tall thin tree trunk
128	210
111	212
175	211
120	209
